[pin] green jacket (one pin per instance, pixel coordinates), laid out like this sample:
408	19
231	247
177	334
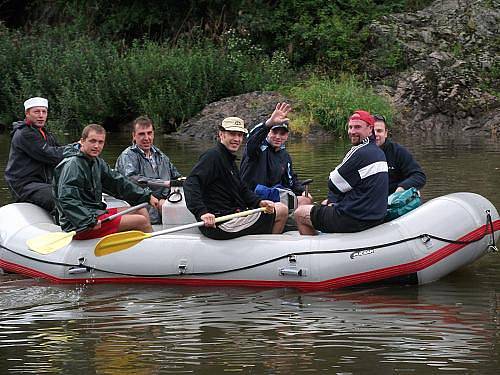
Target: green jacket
78	184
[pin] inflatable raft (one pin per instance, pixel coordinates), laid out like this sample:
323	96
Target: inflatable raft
441	236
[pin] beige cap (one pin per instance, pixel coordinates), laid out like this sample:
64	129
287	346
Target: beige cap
36	102
234	124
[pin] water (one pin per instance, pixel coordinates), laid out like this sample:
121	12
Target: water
450	326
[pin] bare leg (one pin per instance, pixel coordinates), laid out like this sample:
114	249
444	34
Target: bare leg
303	220
138	220
281	217
302	200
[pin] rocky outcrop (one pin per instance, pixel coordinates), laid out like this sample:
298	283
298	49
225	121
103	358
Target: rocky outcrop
440	66
253	108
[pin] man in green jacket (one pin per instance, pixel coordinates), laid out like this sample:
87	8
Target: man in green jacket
79	181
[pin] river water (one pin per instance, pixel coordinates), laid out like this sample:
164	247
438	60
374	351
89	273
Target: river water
450	326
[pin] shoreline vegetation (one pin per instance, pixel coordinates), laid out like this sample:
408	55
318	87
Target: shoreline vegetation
106	63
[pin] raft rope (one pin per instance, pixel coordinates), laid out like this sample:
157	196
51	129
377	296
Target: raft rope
489	228
174	193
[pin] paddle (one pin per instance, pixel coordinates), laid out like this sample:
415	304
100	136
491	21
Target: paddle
50	242
123	240
160	183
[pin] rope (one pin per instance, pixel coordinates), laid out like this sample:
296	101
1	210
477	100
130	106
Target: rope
424	237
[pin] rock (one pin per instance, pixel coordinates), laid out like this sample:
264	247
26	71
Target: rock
253	108
450	52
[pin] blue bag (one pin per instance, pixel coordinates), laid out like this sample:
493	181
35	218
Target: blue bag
402	202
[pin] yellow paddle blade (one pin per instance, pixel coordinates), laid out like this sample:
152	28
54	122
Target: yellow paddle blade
50	242
119	241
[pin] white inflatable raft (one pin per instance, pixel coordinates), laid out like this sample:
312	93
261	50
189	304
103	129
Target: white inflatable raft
437	238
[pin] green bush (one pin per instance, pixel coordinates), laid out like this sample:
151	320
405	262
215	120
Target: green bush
94	80
330	102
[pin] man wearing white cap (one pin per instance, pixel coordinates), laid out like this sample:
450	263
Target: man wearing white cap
214	188
34	152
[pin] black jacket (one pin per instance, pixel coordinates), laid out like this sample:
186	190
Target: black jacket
214	185
32	158
404	171
262	164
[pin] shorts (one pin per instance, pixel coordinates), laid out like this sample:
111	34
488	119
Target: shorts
109	227
259	223
326	219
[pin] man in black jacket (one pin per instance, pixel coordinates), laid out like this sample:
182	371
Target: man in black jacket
214	187
404	171
266	161
34	152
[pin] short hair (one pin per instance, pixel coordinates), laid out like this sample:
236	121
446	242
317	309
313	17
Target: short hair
142	121
382	118
92	127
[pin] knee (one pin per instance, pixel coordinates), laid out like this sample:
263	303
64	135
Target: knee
302	212
302	200
281	210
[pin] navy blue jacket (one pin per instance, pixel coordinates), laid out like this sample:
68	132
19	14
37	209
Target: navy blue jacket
214	185
358	186
262	164
32	159
404	171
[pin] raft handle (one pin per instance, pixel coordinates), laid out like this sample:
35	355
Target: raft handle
182	266
292	272
81	268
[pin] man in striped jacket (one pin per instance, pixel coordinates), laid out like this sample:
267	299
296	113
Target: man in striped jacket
359	186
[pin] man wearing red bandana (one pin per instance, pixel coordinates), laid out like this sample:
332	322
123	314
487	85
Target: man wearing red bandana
358	186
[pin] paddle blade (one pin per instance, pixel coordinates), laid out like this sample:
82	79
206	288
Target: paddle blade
119	241
50	242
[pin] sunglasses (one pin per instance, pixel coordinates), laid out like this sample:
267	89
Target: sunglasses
379	118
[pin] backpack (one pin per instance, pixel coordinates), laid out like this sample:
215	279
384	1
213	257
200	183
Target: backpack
402	202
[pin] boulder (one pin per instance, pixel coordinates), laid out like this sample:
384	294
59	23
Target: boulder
253	107
439	66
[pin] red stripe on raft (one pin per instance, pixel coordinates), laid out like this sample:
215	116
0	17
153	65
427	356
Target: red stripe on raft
340	282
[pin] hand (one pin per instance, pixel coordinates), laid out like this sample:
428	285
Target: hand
97	226
160	204
153	201
167	183
269	205
279	115
399	189
208	219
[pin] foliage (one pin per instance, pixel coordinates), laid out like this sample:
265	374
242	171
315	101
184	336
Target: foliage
331	34
95	80
330	102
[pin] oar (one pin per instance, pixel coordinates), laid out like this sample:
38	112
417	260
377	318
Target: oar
50	242
123	240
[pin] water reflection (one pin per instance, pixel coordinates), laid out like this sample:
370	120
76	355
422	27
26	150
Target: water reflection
447	325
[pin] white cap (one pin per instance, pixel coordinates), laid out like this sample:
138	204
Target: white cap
36	102
234	124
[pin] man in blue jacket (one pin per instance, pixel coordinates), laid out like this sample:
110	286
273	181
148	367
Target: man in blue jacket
404	171
266	161
359	185
34	153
